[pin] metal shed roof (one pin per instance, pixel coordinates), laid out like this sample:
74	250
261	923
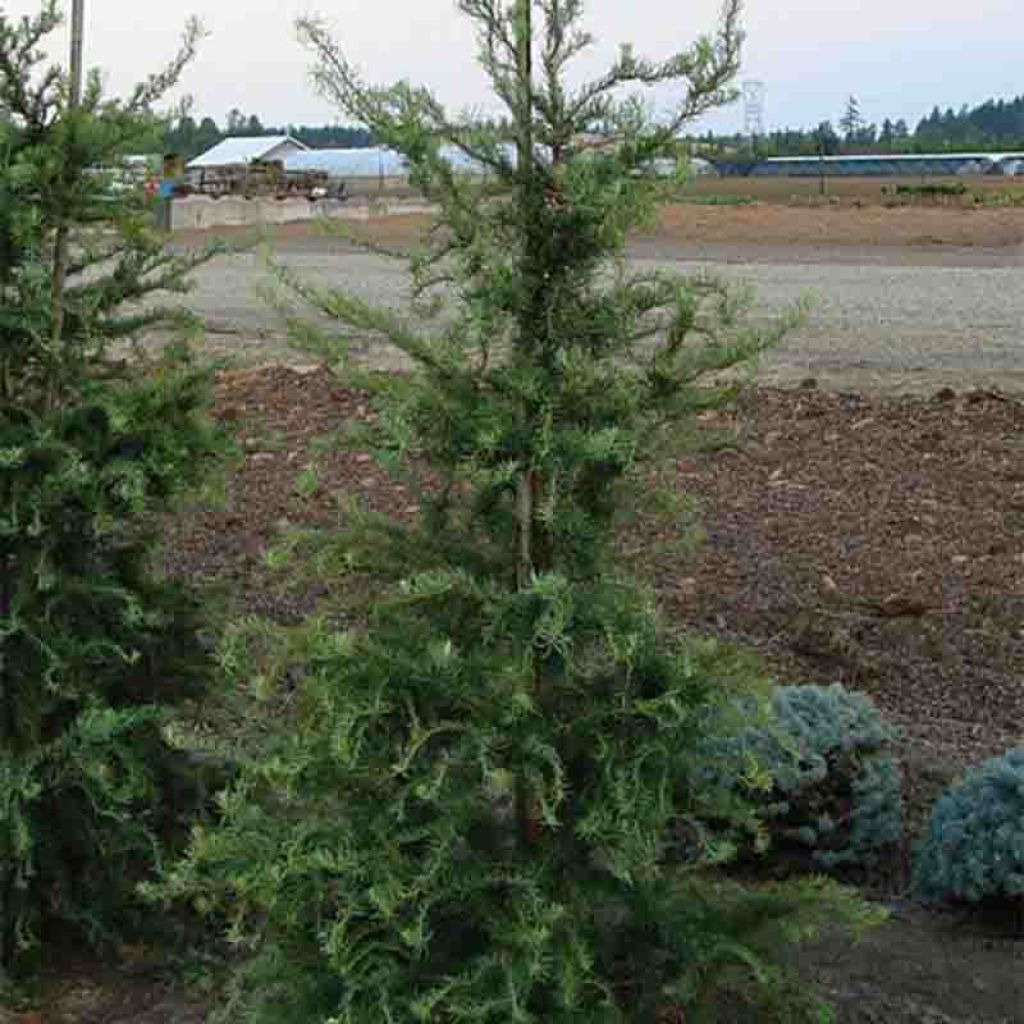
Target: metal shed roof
235	151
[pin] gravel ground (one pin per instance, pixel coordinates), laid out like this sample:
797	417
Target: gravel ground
891	318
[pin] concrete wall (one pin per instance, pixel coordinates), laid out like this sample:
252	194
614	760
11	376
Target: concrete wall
201	212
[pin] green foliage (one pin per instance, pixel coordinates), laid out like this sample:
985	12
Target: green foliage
852	120
713	200
371	853
92	647
994	124
831	786
926	190
492	801
1008	197
974	849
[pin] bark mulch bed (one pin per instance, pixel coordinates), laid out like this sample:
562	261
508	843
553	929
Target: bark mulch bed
874	541
877	542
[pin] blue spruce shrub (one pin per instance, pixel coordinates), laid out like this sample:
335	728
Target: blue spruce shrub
974	849
826	782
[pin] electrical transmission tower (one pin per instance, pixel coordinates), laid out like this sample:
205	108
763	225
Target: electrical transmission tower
753	108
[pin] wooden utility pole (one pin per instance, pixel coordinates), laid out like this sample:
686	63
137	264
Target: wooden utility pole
525	496
60	247
77	37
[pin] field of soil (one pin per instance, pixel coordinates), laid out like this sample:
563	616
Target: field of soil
866	189
808	221
919	226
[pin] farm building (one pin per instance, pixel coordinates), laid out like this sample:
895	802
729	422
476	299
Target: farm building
247	165
372	170
240	152
879	165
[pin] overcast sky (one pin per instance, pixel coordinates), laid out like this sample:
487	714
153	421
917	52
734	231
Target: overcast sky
900	57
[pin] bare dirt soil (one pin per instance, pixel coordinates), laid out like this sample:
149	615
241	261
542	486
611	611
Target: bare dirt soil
843	224
90	992
850	221
867	190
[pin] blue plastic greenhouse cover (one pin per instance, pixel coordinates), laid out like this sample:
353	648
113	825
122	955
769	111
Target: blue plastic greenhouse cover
362	163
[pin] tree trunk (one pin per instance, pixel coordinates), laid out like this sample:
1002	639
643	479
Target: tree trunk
527	812
524	521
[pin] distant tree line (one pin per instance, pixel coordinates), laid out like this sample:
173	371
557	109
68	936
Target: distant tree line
997	124
993	125
190	137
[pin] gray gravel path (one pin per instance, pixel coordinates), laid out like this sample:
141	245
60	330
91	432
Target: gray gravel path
881	320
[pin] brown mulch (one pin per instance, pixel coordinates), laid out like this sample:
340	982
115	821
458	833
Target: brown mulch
877	542
93	992
277	415
873	541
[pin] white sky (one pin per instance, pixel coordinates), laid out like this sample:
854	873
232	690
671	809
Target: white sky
900	57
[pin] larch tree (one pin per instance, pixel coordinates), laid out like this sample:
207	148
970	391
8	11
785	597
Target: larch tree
497	799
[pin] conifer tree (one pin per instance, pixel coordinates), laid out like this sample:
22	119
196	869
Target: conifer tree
497	802
852	121
91	448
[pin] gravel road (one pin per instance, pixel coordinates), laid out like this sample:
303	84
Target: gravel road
891	318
